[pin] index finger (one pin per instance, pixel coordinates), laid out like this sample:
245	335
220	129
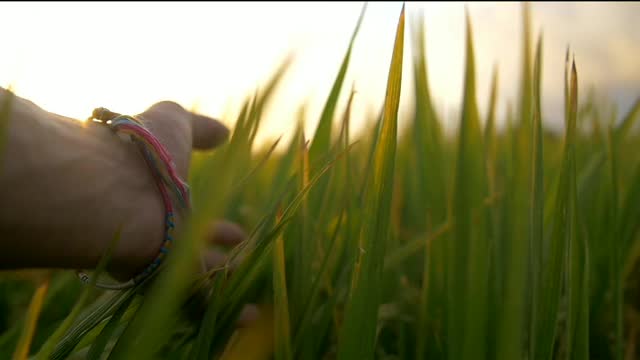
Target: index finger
207	132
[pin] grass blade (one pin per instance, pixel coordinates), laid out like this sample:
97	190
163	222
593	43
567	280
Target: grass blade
537	199
577	323
557	257
5	115
207	326
358	335
615	254
48	347
322	136
282	332
516	256
100	343
91	317
467	253
24	343
399	255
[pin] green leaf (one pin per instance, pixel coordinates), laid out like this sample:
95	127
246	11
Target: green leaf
91	317
100	343
467	253
322	136
282	332
23	348
47	348
537	201
578	315
5	115
358	335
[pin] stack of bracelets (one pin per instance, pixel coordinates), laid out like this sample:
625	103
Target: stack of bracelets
163	169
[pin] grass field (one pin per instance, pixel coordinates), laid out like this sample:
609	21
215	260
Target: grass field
406	243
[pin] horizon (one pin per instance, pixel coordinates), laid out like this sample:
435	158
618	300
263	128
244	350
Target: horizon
211	56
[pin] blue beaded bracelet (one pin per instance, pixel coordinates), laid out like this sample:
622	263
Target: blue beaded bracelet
159	161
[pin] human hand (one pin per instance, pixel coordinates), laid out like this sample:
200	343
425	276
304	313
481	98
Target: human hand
67	186
181	131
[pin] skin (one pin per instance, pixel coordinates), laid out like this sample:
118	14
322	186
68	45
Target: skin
66	186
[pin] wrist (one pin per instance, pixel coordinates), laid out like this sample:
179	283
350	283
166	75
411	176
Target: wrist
167	184
143	222
67	187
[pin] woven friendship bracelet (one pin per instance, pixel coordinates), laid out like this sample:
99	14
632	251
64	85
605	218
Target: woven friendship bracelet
165	175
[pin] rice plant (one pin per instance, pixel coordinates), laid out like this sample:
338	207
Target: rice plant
406	243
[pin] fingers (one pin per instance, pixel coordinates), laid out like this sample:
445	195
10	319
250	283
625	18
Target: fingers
228	234
181	131
225	233
249	315
207	132
214	259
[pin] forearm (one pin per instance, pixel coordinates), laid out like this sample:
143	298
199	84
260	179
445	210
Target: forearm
66	187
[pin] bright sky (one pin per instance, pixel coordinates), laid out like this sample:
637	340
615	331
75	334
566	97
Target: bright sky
72	57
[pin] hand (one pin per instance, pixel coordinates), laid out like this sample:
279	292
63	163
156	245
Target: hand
180	131
67	186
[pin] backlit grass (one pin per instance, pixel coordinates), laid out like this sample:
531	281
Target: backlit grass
515	243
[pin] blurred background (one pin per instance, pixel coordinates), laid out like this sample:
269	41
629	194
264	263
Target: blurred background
72	57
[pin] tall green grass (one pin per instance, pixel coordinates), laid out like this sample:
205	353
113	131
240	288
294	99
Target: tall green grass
401	242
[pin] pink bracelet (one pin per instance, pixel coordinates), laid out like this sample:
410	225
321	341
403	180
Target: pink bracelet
167	179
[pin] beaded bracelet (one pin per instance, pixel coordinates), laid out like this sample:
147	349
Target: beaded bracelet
164	172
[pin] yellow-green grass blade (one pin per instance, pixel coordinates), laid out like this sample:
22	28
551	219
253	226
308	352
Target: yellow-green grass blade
299	237
266	95
91	337
99	345
490	127
89	319
5	115
304	324
493	209
526	87
537	199
324	255
425	190
426	316
577	341
322	139
252	266
427	138
467	250
397	256
202	346
615	246
48	347
286	167
518	192
282	331
556	262
238	187
322	136
313	214
23	348
358	334
629	214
